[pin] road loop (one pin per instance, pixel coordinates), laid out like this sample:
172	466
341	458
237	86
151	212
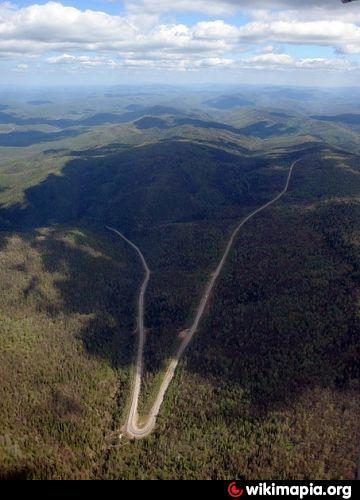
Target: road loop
132	427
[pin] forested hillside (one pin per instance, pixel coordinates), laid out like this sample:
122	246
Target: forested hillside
269	386
65	350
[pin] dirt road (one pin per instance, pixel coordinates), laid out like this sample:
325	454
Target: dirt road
132	426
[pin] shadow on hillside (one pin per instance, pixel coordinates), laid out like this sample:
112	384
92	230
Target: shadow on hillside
291	286
103	283
17	474
92	280
31	137
105	188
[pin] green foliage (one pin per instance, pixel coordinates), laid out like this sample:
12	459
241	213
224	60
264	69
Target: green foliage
66	301
268	387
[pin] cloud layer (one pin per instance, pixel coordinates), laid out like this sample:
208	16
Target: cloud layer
53	35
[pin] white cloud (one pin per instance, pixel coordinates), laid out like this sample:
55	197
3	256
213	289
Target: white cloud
54	27
81	39
268	58
82	62
71	62
215	30
210	7
337	34
58	23
285	62
22	68
350	49
63	59
306	9
40	28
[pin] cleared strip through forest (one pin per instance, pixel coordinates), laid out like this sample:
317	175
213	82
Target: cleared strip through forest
132	426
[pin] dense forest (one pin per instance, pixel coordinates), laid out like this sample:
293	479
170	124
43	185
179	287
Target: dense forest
268	387
65	349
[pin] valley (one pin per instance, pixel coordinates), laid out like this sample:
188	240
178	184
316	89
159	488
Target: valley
256	192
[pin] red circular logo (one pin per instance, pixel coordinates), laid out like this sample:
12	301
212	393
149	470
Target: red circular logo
234	491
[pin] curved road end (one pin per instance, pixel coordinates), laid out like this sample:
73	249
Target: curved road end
132	427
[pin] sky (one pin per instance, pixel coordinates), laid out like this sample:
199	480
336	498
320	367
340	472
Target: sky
192	42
